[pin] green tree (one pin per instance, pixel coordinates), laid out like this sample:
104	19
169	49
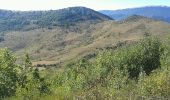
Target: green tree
8	73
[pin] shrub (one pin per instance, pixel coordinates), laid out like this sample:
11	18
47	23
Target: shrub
145	55
157	85
8	73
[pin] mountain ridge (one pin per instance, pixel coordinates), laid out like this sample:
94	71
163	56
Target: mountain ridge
18	20
155	12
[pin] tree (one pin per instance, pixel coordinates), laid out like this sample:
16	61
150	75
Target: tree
8	73
28	62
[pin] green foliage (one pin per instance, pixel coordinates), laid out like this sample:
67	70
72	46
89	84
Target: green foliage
19	81
8	73
134	72
27	61
157	85
31	85
14	20
144	55
111	75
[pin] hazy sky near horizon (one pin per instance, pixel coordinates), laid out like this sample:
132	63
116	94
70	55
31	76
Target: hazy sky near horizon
25	5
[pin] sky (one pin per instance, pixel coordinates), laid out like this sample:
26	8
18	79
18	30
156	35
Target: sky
26	5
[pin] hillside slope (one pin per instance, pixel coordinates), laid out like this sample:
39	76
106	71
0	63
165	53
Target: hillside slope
155	12
60	44
16	20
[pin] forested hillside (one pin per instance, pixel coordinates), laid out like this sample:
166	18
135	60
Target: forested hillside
17	20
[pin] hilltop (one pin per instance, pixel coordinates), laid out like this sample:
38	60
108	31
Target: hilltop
28	20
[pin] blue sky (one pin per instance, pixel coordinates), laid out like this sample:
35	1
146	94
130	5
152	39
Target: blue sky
26	5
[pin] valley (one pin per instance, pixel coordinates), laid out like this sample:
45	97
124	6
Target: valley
77	53
63	43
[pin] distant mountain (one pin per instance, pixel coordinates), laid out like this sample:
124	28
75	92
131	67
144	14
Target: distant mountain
17	20
156	12
135	18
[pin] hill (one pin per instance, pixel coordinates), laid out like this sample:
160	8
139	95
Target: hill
155	12
61	44
87	56
17	20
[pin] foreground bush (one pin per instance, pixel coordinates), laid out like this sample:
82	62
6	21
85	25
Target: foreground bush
20	81
8	73
157	85
145	55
